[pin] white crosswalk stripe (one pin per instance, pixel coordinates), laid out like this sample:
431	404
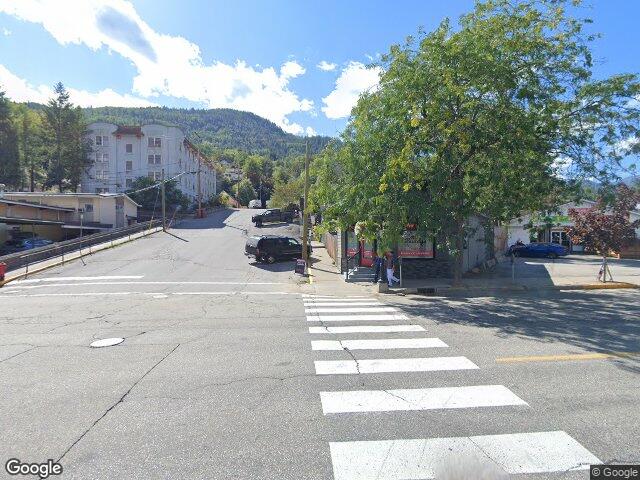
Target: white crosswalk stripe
419	458
377	344
418	399
390	365
537	452
356	318
340	304
350	310
367	329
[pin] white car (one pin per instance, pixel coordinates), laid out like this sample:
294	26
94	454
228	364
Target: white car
255	204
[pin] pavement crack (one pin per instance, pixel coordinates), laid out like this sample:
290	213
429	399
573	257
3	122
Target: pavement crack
117	403
357	362
14	356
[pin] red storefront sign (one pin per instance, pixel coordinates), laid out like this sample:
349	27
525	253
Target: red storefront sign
414	245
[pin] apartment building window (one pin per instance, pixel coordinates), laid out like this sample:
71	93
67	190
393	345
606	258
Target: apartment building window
129	183
102	190
102	175
102	140
129	166
102	157
128	148
88	207
155	175
155	141
154	159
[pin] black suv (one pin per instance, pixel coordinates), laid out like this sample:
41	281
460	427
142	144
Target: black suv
269	248
272	215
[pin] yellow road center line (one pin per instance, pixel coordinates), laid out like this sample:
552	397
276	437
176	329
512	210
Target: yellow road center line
569	357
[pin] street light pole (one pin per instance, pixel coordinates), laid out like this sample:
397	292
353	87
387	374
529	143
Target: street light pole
164	211
305	213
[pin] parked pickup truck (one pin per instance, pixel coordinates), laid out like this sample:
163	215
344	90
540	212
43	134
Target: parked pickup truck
272	215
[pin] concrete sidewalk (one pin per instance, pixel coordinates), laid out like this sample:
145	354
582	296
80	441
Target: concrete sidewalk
570	273
325	277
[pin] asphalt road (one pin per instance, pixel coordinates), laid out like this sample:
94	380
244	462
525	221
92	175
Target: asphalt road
217	379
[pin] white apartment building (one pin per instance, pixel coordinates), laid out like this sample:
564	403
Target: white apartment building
123	153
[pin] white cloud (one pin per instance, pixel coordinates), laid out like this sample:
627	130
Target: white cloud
6	32
354	79
167	65
326	66
19	90
310	131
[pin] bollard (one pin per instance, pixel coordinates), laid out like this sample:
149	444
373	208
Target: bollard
3	270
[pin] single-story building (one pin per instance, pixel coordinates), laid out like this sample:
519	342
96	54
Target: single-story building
549	228
59	216
419	257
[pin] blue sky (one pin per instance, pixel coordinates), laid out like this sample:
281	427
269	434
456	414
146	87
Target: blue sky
260	56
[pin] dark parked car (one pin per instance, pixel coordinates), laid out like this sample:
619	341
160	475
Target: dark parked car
548	250
21	244
272	215
269	248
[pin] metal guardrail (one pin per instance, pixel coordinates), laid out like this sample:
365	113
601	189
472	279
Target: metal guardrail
60	249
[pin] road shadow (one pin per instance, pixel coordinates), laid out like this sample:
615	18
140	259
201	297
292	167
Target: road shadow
597	322
214	219
283	266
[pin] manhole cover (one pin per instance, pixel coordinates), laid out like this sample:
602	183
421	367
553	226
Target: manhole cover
107	342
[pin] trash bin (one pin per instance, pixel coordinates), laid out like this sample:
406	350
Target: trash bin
3	270
300	266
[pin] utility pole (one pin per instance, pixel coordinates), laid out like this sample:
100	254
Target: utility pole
305	214
199	215
164	211
199	187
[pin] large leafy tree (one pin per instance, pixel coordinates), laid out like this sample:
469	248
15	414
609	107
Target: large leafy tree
143	193
245	191
10	169
66	133
478	119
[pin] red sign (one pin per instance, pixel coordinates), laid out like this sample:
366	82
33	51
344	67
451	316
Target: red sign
414	245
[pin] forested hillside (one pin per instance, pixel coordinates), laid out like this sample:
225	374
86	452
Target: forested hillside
223	128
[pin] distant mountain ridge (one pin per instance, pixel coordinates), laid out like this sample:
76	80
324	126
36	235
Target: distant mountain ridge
221	128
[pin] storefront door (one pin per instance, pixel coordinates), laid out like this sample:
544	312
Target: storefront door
366	253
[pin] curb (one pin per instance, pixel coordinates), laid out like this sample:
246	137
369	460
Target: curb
444	290
96	248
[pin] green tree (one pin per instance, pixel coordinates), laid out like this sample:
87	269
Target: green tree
10	170
287	193
31	144
150	199
65	131
474	120
245	191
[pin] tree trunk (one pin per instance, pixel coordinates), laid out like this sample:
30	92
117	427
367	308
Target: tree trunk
458	258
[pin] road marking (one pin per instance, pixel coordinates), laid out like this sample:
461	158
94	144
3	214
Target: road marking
388	365
566	358
65	279
537	452
350	310
354	303
102	294
377	344
348	318
418	399
307	295
31	287
368	329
